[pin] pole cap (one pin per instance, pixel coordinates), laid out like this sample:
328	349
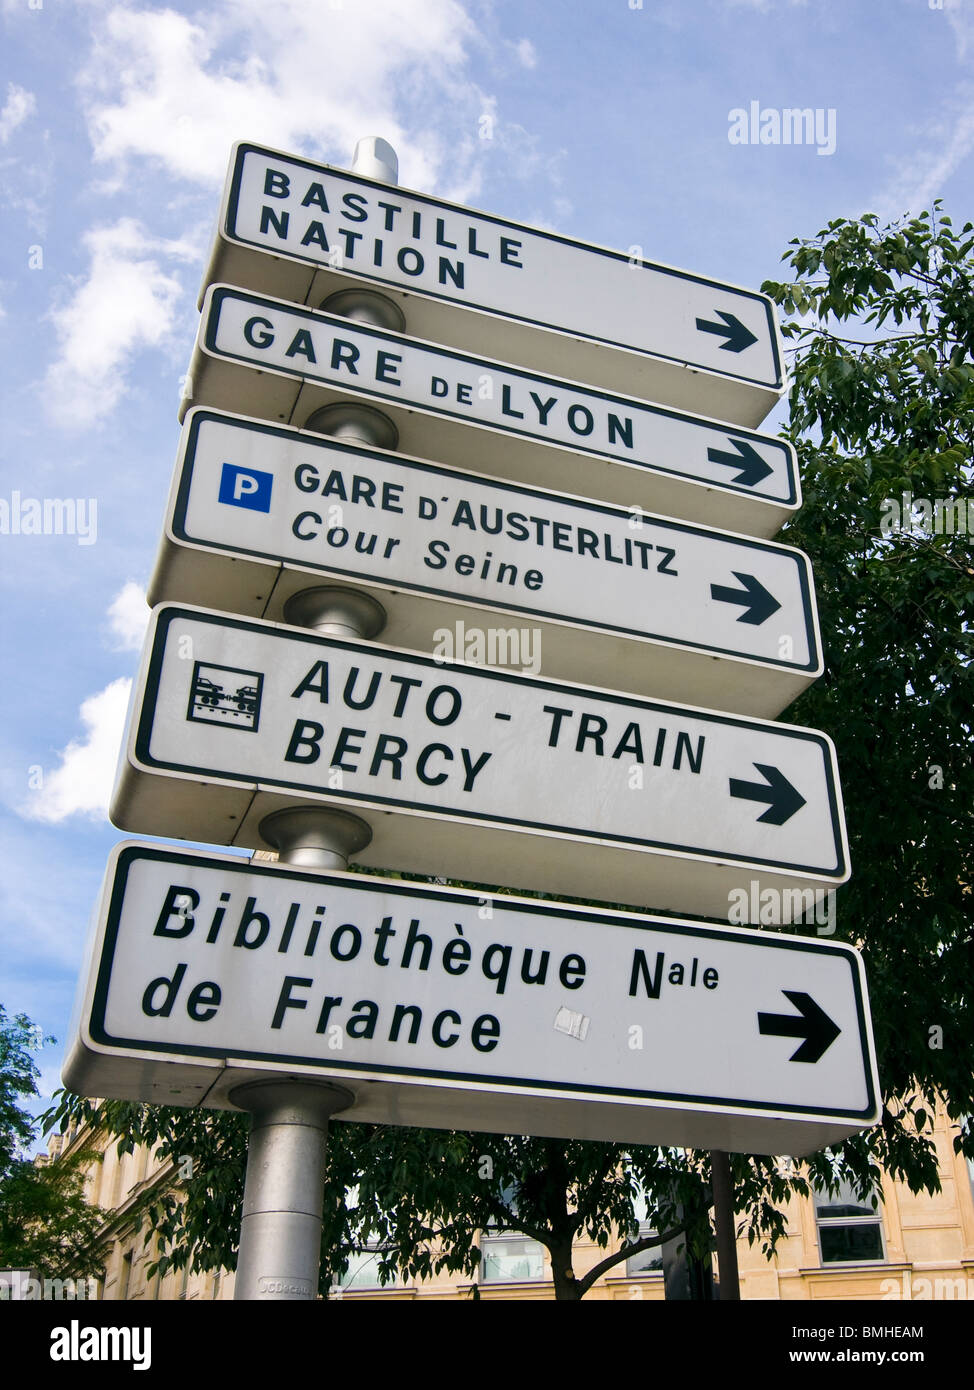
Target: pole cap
375	158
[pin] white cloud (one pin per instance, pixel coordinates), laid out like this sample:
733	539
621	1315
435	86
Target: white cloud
943	148
960	17
526	53
19	105
127	302
128	615
944	140
312	76
527	158
82	784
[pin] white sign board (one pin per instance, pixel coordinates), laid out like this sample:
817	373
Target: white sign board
469	567
305	231
442	1008
487	416
474	773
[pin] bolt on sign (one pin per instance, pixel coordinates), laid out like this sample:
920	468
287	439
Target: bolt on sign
305	231
485	570
474	773
503	1014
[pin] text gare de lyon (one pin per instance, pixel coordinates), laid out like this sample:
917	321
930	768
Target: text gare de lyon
436	763
321	346
379	215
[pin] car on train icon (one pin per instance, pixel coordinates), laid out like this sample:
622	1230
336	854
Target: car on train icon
225	696
206	692
246	699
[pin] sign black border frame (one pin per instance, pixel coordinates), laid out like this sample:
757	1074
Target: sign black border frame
197	417
127	852
229	232
221	291
167	614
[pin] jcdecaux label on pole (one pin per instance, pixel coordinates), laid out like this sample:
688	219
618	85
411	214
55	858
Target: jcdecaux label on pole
306	231
445	1008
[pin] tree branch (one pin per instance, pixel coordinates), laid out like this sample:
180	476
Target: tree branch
625	1253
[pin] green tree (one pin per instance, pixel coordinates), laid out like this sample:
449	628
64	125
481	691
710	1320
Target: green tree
19	1040
45	1223
882	405
422	1197
881	327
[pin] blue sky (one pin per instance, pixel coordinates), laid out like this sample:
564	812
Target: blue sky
608	121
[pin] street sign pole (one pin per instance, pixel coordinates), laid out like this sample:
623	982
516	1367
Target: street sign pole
242	730
280	1230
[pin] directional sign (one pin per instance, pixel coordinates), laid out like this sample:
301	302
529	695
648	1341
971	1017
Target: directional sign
487	571
489	417
306	231
492	777
444	1008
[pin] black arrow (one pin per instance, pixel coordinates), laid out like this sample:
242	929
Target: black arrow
738	336
754	597
747	459
781	797
817	1031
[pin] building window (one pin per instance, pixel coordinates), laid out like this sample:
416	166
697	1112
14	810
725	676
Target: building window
125	1276
506	1256
960	1124
363	1270
850	1230
647	1261
509	1258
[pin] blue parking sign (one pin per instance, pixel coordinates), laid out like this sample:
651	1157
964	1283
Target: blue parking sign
246	487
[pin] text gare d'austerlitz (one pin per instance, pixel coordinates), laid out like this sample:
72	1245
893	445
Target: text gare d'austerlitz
541	531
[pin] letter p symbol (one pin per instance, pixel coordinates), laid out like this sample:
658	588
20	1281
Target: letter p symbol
246	487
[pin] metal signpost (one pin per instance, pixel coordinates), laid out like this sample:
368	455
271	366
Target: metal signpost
306	232
494	777
538	516
441	1008
589	591
492	418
